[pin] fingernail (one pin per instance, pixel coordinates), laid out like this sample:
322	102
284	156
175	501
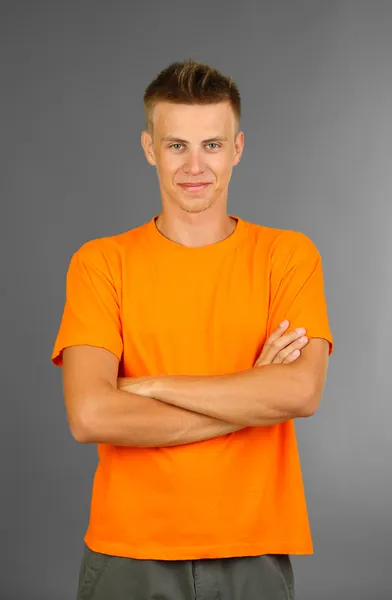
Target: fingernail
300	330
283	323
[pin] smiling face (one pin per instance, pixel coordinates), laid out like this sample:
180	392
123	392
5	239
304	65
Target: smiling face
193	144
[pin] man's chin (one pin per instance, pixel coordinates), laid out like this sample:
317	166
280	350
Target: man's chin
195	207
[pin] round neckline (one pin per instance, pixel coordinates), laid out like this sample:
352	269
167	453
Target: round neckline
165	244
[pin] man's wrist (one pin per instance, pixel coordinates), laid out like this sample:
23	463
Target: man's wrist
143	386
155	387
150	387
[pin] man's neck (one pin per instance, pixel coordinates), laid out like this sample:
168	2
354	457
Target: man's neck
197	233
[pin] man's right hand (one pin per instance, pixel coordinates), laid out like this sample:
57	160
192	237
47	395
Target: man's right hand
282	348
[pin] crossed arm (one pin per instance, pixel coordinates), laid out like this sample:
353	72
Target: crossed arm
257	396
175	410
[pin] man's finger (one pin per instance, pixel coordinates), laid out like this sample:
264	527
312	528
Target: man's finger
278	331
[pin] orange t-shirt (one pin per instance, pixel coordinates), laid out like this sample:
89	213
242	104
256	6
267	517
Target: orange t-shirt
163	308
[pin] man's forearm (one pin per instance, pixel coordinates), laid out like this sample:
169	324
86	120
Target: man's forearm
259	396
126	419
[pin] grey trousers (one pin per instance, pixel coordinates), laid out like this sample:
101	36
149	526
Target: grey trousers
265	577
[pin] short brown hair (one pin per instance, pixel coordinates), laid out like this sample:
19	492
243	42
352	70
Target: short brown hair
191	82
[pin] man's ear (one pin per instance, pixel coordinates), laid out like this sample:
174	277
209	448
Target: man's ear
146	140
239	147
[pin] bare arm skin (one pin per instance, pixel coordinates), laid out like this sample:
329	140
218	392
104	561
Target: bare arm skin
255	397
98	412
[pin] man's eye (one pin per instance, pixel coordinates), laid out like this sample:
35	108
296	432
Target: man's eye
211	145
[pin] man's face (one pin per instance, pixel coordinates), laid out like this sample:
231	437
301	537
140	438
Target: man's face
193	144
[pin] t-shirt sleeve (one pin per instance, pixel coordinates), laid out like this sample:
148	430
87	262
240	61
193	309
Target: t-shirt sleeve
92	309
297	287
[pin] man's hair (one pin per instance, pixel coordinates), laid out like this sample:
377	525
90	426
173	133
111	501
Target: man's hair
191	82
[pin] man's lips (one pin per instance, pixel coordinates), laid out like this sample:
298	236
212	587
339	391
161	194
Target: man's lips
194	187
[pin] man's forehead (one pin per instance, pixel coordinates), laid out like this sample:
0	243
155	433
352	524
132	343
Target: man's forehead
212	138
185	120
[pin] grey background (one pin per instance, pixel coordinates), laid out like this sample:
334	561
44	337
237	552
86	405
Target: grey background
316	83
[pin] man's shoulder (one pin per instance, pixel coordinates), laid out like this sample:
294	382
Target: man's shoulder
110	246
278	238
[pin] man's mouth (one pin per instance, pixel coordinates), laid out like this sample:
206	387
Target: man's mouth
194	187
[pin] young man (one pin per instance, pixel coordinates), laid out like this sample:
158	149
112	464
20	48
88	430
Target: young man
177	364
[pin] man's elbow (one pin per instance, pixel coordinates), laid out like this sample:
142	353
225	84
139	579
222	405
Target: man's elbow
79	430
308	402
80	421
299	405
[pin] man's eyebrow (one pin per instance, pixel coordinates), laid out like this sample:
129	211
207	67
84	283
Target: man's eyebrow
171	138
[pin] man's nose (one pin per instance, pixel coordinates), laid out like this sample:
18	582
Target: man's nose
194	163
